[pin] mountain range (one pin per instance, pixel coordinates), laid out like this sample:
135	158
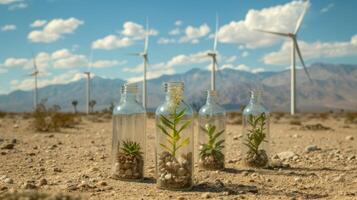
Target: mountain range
334	87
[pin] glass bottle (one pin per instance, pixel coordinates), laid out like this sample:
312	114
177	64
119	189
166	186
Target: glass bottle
128	142
256	138
211	135
174	140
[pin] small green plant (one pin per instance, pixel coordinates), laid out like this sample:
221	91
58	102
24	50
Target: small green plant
131	148
256	134
170	127
212	147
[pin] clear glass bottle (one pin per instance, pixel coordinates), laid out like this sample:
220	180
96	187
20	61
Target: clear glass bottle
174	140
211	135
256	138
128	142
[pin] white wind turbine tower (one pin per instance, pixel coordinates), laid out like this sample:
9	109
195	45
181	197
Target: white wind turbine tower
144	55
88	85
35	90
213	55
294	46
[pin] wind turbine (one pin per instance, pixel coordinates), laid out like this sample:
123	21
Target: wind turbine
213	55
88	74
35	91
144	55
294	47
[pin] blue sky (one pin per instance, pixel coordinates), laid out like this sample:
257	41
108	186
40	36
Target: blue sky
63	33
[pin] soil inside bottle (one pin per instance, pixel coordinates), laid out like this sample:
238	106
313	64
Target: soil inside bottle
175	174
129	167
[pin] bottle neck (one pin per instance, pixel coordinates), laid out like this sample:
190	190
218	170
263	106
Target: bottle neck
128	93
174	92
211	97
255	97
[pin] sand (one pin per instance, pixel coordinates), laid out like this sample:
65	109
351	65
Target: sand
78	161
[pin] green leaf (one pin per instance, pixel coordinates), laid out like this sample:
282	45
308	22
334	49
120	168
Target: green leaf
184	143
184	126
166	122
164	130
165	147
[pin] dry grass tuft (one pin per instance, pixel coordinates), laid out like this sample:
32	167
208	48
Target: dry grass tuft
351	118
47	120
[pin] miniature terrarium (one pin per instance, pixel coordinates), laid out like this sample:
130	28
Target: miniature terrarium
255	147
128	147
211	138
174	140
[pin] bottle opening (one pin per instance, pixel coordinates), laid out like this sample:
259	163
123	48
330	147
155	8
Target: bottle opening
174	85
129	88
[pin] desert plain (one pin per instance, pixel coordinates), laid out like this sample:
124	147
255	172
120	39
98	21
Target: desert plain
315	157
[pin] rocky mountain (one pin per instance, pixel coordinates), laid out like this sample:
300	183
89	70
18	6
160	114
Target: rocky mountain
334	87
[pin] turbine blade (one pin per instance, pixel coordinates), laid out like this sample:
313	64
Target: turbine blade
301	59
216	35
272	32
146	36
34	61
301	18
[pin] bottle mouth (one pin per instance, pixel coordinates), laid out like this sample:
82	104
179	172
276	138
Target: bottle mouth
212	93
174	85
129	88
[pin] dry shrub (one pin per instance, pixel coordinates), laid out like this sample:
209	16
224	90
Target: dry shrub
234	118
46	120
351	118
324	116
2	114
295	121
278	115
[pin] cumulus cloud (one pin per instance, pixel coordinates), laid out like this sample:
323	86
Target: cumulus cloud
38	23
327	8
315	50
131	31
175	31
245	54
18	6
281	18
111	42
6	2
178	23
8	27
164	40
136	31
54	30
193	34
27	84
242	67
154	71
60	59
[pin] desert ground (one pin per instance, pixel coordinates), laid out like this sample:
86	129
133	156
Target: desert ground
315	158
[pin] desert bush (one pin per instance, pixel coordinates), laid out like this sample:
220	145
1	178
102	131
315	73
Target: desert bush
46	120
295	121
324	115
351	118
2	114
234	118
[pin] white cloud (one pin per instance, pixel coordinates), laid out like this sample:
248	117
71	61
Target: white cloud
231	59
8	27
245	54
18	6
277	18
166	40
136	31
242	67
5	2
195	58
327	8
60	59
38	23
64	78
193	34
154	71
313	50
178	23
107	63
111	42
54	30
175	31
